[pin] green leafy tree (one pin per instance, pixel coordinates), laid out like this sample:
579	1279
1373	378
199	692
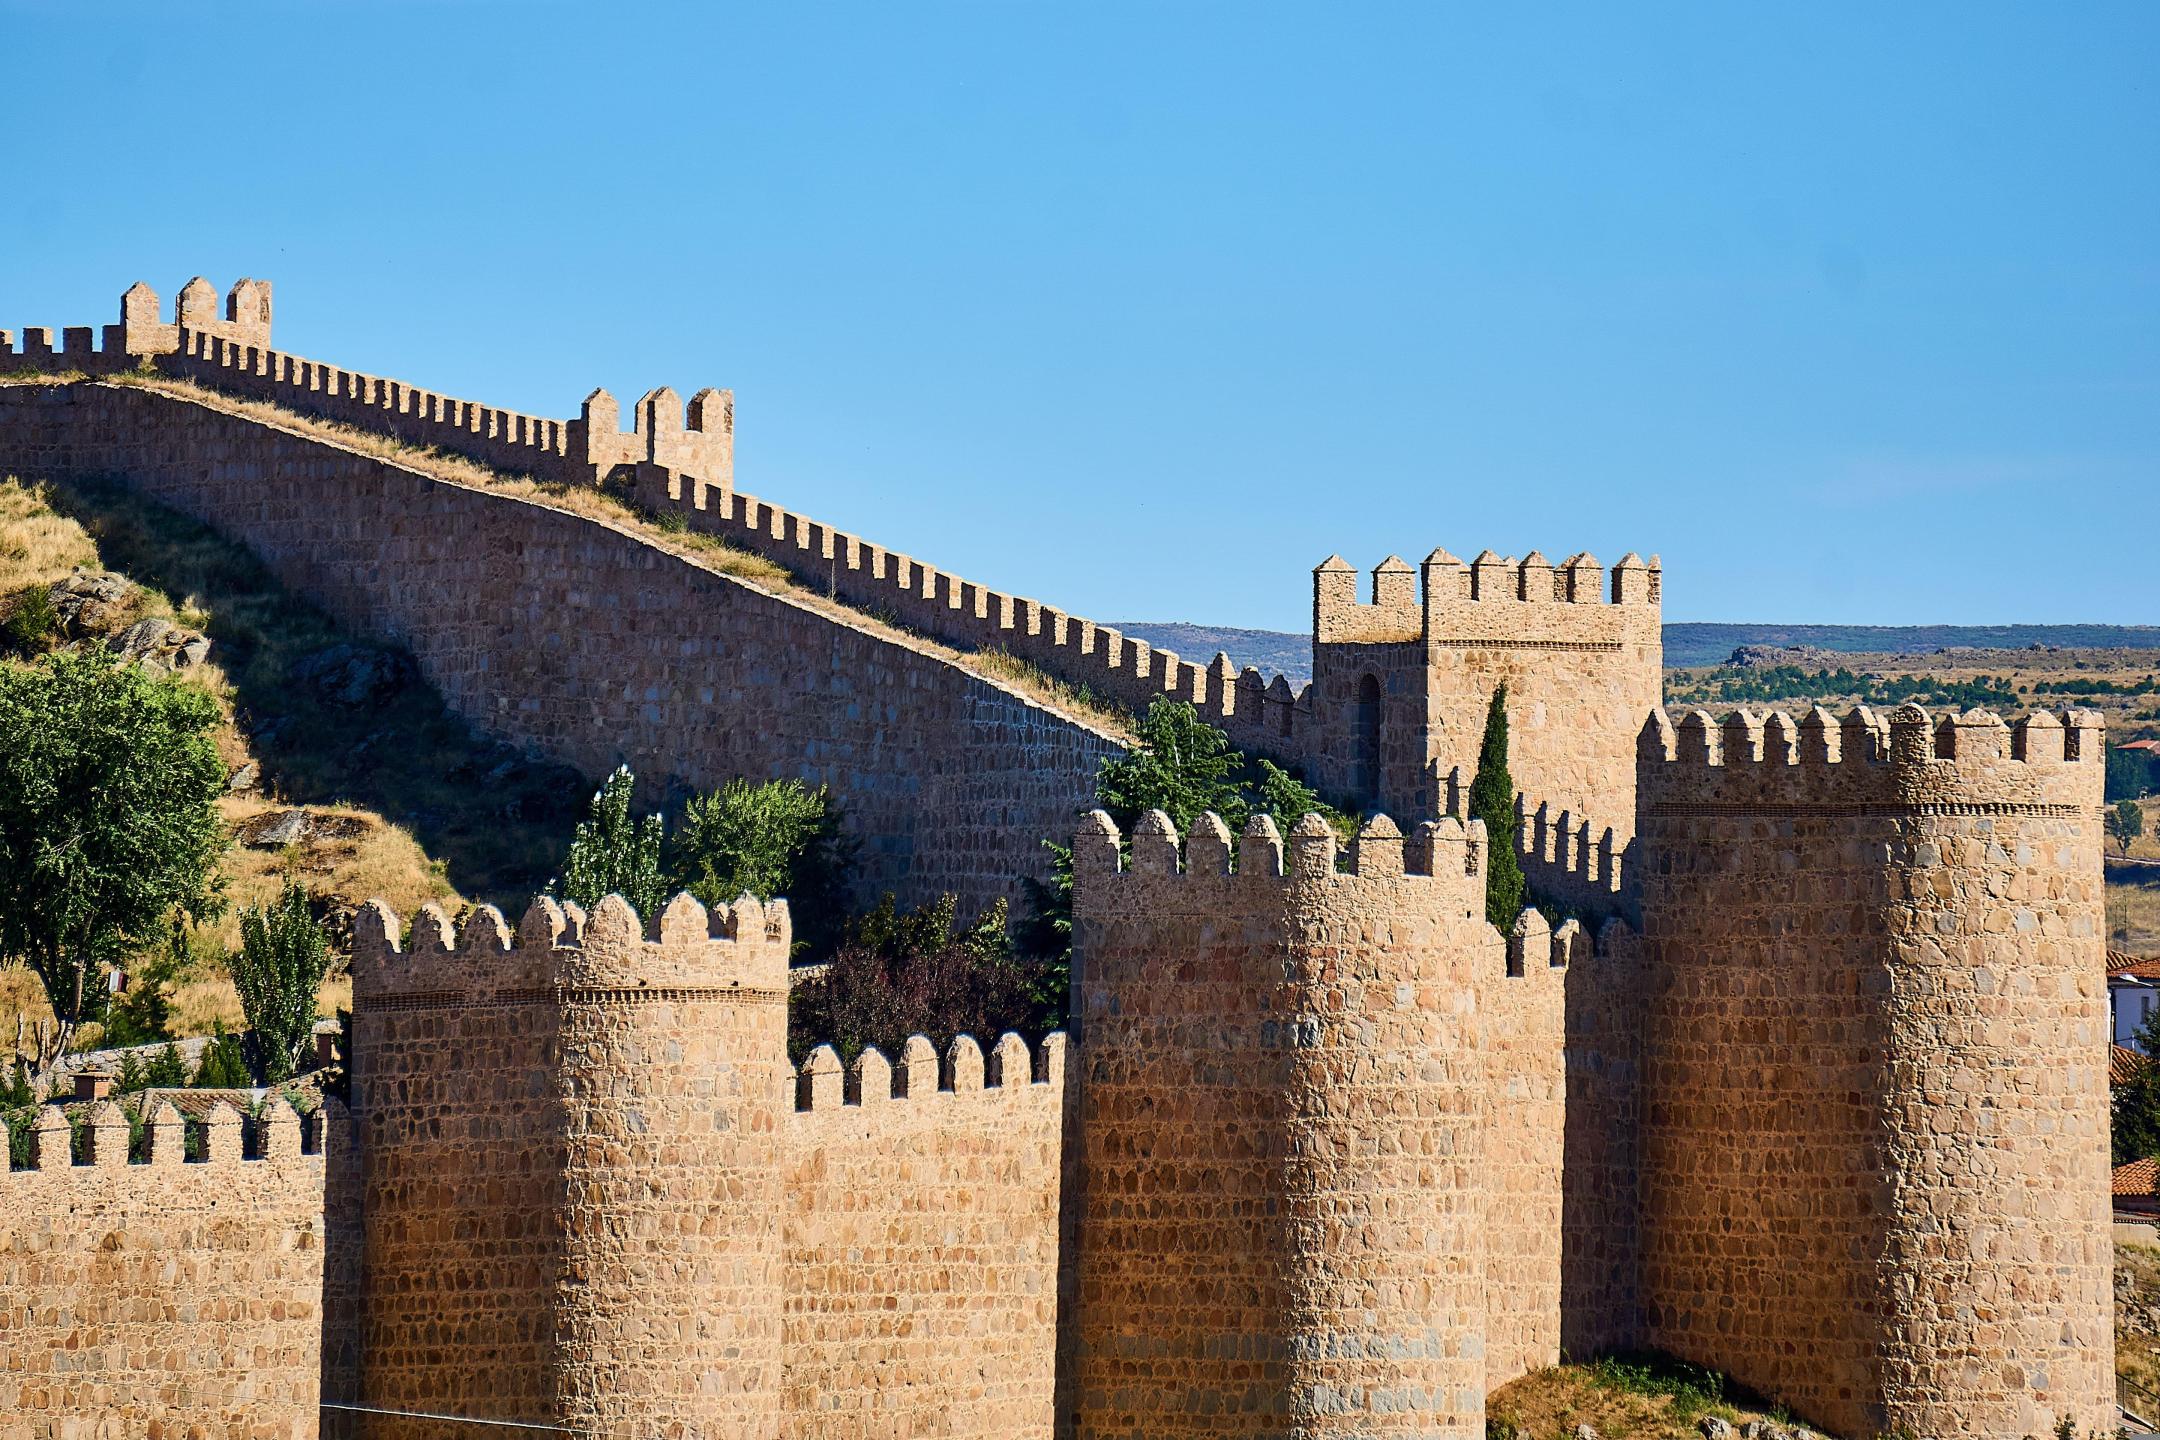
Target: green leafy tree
277	970
781	838
224	1063
1183	766
1492	799
142	1013
108	781
2125	823
166	1070
613	854
2134	1105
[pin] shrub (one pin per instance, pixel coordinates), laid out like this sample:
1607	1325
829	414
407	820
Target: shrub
899	974
277	970
33	623
166	1070
779	838
224	1063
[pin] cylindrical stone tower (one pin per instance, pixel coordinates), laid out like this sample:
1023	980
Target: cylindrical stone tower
1875	1148
673	1081
459	1142
1278	1143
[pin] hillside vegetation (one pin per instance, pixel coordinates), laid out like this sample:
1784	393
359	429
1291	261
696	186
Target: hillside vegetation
347	773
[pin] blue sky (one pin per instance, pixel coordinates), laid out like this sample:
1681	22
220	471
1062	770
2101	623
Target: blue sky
1851	312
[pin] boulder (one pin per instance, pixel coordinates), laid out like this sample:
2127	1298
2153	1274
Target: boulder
161	645
276	829
353	675
90	602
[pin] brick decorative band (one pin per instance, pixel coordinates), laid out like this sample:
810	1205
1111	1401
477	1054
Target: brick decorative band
511	999
1751	810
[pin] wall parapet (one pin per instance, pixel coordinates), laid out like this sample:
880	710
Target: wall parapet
824	1085
1574	860
1825	764
558	950
229	1138
1259	713
1444	849
142	335
1443	593
232	353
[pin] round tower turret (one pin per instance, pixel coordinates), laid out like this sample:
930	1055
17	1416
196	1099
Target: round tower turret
1875	1147
674	1078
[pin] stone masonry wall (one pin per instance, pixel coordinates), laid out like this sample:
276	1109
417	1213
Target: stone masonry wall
1601	1219
1875	1106
1286	1160
454	1061
1524	1027
583	640
921	1235
598	1196
167	1297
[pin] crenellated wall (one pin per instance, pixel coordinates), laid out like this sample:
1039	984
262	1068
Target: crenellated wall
1401	681
598	1196
1874	1141
588	643
232	353
1315	1159
1098	658
921	1235
165	1296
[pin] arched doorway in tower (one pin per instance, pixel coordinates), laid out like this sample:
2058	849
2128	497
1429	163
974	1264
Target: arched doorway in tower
1365	733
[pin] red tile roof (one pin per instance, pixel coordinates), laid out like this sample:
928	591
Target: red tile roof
2123	1063
2138	968
2139	1177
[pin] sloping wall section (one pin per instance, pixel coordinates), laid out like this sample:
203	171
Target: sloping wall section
596	647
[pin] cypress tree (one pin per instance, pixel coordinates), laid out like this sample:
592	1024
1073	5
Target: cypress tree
1492	799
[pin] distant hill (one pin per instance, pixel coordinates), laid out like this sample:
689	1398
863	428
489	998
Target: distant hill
1685	644
1270	650
1706	644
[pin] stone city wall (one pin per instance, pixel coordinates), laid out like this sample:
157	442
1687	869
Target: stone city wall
1288	1157
598	1196
165	1297
1875	1111
921	1242
590	644
1112	666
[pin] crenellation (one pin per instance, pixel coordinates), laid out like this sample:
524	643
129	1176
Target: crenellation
1820	1107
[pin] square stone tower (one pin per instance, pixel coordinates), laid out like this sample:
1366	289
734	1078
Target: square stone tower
1401	682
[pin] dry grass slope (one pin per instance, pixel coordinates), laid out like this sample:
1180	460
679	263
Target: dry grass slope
1620	1400
405	802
